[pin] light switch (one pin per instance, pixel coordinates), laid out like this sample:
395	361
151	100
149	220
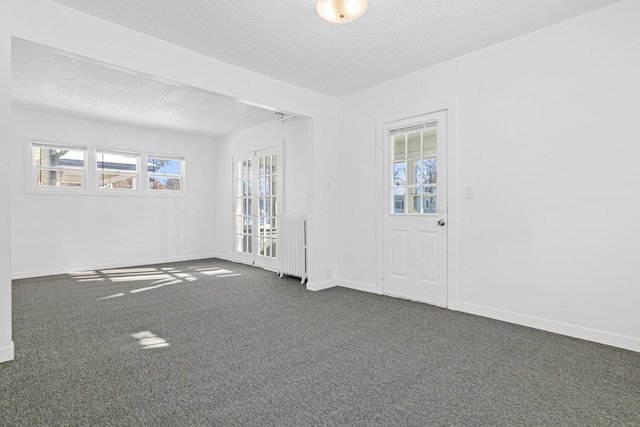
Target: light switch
468	192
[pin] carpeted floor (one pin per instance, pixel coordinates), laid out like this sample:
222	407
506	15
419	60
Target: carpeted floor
216	343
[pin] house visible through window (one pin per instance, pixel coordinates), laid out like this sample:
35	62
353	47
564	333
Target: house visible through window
414	167
59	165
165	174
117	170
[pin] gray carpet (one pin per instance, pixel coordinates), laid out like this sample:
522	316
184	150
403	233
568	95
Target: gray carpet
244	347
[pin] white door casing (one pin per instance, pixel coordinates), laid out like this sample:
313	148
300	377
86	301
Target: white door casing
415	215
258	179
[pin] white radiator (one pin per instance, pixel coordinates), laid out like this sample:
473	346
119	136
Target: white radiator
292	245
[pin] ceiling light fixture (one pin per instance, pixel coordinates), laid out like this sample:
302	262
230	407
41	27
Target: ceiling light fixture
341	11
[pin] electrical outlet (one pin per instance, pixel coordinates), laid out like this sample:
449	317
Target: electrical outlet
328	273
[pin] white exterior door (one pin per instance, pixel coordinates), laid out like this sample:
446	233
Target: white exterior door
257	191
415	209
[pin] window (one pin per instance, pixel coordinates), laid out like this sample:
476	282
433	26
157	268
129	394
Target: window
415	170
165	174
58	166
117	170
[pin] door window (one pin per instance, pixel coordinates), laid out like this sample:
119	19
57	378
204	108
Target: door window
414	170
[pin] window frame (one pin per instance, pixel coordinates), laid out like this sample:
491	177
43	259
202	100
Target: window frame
35	169
419	189
137	176
149	175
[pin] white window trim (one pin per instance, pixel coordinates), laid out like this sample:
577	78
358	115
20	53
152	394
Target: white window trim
90	173
136	175
33	169
148	175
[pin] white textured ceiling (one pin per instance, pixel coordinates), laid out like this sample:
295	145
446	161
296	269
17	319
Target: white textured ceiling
51	81
286	39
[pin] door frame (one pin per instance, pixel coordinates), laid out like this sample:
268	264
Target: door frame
450	106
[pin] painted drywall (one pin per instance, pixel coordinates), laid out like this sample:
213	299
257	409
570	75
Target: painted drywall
40	21
57	233
547	137
292	137
6	343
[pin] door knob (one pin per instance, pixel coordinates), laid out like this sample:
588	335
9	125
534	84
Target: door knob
441	223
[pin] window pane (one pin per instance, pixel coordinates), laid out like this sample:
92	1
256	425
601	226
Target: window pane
429	204
261	166
114	161
266	226
430	171
399	195
274	180
248	225
267	165
432	189
59	178
414	174
267	244
239	170
267	186
248	244
430	142
399	148
400	173
164	183
164	166
58	157
126	182
414	200
414	145
274	164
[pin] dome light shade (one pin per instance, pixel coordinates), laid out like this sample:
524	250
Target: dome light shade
341	11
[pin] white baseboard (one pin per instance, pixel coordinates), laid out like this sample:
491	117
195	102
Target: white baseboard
320	286
360	286
225	257
7	353
109	265
607	338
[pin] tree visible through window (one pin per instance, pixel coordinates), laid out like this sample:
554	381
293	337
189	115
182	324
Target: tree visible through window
165	174
415	171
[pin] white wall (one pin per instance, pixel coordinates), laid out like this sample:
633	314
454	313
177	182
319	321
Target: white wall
51	24
292	137
548	137
53	233
40	21
6	343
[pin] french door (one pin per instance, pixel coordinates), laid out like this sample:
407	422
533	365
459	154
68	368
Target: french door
415	209
257	182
